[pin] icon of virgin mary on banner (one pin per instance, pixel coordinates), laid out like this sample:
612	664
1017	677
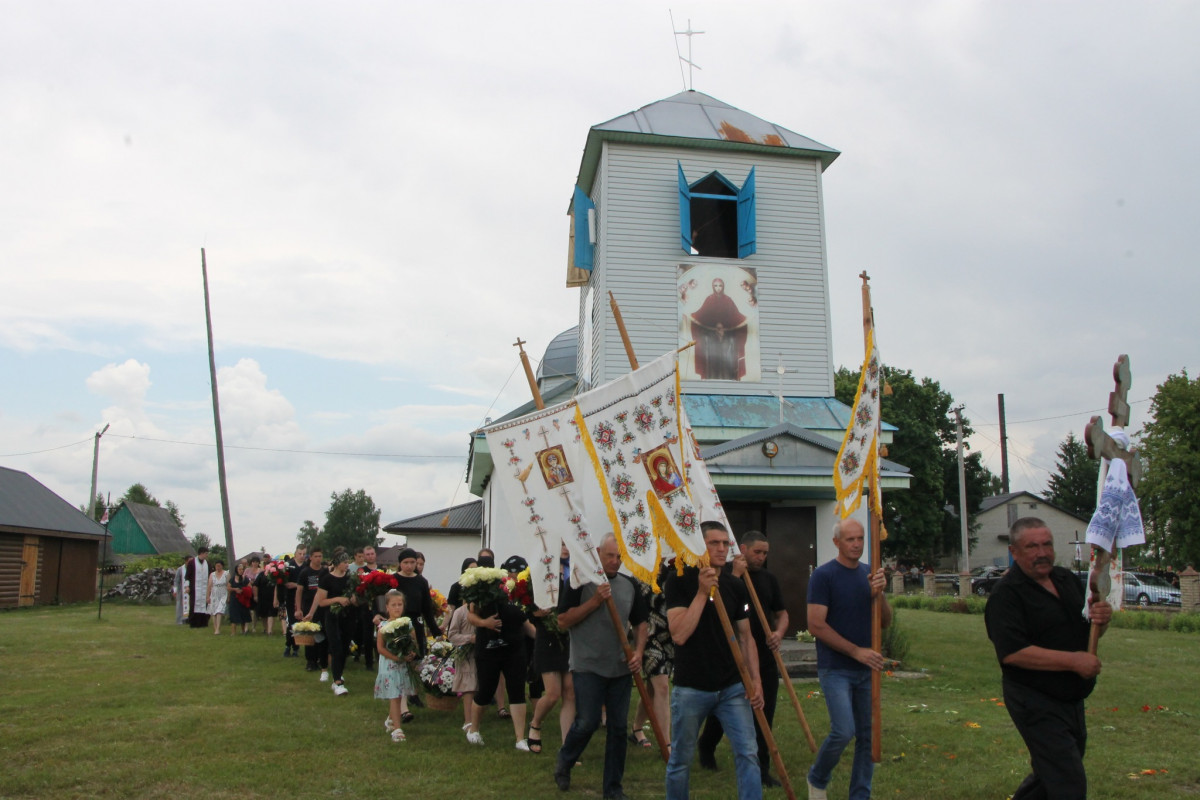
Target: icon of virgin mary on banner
654	491
718	310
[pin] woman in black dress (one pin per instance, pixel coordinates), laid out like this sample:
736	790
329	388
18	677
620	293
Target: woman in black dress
239	601
552	660
418	605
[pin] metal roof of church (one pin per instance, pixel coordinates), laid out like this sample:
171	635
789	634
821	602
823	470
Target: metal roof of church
762	411
559	359
694	119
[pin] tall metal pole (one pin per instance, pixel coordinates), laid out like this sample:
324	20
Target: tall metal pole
1003	447
95	468
964	562
212	373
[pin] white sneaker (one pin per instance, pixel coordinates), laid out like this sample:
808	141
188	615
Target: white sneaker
324	675
816	794
474	737
340	689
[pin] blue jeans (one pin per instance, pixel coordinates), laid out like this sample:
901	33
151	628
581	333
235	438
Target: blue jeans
689	709
848	698
592	694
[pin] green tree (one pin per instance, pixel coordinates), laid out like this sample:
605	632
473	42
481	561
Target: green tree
1170	448
1073	485
138	493
176	514
98	512
215	551
922	521
352	521
309	535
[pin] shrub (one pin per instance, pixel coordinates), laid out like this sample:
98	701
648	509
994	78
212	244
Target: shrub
894	641
167	560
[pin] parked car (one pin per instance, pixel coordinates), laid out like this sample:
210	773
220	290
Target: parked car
1143	589
982	579
1150	590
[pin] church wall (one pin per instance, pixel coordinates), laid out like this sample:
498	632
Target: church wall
639	255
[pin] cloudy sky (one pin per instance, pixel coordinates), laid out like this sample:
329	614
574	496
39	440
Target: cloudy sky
381	191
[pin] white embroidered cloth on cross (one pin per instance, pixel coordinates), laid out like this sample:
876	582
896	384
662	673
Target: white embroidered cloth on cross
1117	521
655	489
540	477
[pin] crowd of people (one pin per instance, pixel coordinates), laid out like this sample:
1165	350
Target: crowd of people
582	655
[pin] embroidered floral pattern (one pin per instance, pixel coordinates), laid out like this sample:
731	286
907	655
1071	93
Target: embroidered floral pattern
604	436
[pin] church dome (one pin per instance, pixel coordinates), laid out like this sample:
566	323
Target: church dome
558	362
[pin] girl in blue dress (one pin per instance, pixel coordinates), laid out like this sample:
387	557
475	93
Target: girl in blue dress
393	682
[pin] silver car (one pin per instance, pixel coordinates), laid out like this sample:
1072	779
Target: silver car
1144	589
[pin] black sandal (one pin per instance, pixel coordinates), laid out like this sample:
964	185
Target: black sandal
407	716
535	743
503	713
642	742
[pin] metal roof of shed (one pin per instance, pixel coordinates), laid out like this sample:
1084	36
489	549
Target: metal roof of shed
465	518
25	503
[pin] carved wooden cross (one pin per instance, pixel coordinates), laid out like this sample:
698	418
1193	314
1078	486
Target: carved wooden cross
1099	443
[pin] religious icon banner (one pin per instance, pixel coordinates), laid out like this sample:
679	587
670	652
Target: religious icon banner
718	310
541	475
858	457
645	465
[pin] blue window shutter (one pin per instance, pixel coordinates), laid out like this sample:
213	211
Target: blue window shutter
583	243
747	229
685	212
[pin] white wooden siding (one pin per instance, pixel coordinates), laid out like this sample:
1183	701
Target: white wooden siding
638	255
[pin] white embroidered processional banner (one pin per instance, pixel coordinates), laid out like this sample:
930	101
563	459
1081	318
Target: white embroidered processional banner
655	489
541	475
858	457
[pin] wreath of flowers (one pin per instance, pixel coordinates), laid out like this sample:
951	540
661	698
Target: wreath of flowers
436	669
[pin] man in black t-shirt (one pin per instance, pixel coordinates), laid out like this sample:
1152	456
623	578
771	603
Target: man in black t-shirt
307	582
707	680
756	548
1033	619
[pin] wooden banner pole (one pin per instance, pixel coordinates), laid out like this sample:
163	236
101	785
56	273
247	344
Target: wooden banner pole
783	673
874	526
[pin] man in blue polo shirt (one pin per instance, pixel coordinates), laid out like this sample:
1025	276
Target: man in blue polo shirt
840	594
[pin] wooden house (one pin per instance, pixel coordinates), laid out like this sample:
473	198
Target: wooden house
49	549
139	530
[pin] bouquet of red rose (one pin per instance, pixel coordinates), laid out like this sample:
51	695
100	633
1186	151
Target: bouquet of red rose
520	591
277	572
373	585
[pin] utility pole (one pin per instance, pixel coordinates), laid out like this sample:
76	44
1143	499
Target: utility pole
964	562
95	468
1003	448
212	372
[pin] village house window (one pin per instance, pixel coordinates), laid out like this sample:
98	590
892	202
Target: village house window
716	217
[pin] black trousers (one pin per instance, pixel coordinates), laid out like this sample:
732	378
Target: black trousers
769	675
1056	734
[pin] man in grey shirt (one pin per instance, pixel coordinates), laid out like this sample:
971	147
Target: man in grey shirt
599	670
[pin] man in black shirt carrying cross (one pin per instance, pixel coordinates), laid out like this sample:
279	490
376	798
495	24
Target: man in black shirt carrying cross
1035	622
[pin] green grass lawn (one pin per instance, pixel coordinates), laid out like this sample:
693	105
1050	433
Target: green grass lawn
135	706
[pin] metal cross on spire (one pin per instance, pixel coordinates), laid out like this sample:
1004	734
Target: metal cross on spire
689	33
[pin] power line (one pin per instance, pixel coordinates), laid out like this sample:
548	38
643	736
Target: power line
1060	416
47	450
284	449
